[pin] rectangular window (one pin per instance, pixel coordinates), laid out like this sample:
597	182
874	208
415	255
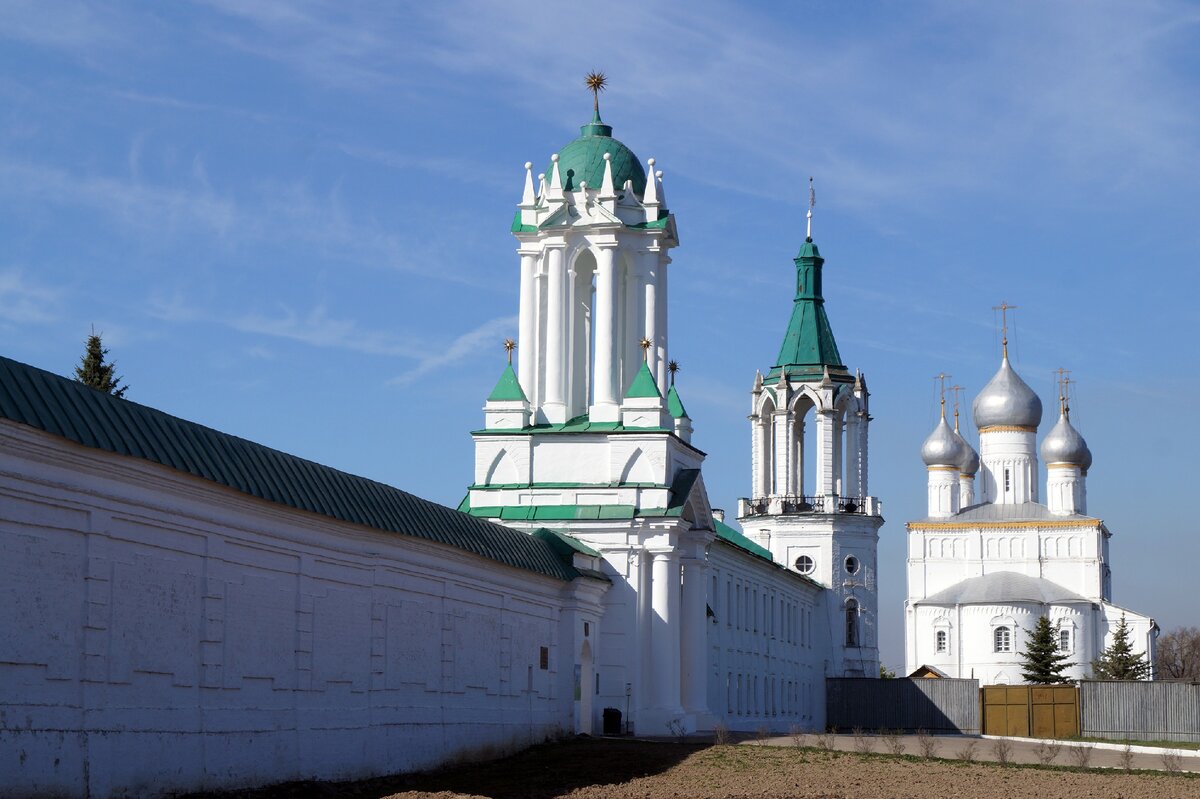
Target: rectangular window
1064	640
942	641
1007	482
544	658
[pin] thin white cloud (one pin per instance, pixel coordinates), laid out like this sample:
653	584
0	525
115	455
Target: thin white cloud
460	349
22	301
141	206
318	329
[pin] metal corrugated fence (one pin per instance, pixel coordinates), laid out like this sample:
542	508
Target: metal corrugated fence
1140	711
935	705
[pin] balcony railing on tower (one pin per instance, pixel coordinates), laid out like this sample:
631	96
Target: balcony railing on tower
784	504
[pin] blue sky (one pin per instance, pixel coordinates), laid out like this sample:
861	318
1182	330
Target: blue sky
290	219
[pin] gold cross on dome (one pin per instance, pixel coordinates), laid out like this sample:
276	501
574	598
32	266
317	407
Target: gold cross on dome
942	377
1004	308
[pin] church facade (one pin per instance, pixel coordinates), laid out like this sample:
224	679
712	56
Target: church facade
989	559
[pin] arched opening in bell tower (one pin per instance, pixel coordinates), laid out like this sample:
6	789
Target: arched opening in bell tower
804	431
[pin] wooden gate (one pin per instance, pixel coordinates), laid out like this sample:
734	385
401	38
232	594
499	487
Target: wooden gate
1031	711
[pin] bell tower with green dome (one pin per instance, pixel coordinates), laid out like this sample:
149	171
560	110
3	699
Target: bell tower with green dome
588	435
810	504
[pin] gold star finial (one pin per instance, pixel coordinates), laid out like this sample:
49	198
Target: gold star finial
645	345
597	82
672	367
509	346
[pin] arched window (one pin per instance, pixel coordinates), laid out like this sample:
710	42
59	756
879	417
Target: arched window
1002	638
943	641
1064	640
851	622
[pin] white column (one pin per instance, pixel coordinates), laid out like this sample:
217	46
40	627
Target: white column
863	460
694	631
526	338
824	468
649	276
554	405
781	429
633	325
660	342
607	400
665	636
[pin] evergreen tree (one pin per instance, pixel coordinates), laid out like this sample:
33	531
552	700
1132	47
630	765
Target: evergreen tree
1042	663
94	372
1118	661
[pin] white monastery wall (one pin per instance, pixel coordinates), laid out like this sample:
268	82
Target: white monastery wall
162	633
769	644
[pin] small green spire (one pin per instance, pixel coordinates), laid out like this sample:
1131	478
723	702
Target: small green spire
675	405
508	388
643	384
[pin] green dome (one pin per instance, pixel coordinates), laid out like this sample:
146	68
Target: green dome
583	160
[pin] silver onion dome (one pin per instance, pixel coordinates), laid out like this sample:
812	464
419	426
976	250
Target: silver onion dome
1064	445
969	463
1007	400
944	447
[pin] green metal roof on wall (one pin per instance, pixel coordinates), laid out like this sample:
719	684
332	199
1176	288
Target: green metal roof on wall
808	343
643	385
508	388
727	533
583	160
93	419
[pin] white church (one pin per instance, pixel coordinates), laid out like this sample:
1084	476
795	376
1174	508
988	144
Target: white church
187	610
990	559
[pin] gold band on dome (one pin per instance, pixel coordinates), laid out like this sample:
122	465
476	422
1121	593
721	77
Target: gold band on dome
942	468
1008	428
1061	464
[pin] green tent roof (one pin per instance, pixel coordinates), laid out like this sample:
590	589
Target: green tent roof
507	388
808	344
643	384
93	419
675	405
583	160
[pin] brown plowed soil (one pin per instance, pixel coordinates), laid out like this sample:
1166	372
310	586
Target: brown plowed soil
592	768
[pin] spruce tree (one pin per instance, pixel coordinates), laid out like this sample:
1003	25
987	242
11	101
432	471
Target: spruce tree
93	371
1118	661
1042	663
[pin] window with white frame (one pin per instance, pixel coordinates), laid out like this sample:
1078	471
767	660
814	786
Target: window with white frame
942	641
1064	640
1002	639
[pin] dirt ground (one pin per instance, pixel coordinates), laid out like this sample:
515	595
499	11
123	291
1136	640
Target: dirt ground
592	768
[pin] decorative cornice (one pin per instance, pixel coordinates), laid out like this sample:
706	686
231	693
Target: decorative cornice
1029	525
1007	428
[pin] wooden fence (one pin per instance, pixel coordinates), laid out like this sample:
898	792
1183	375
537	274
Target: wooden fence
1140	711
941	705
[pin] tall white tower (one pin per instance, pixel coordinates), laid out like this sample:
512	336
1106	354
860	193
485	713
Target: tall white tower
810	504
581	439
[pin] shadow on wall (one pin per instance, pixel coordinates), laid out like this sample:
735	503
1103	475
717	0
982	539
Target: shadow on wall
933	705
541	772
